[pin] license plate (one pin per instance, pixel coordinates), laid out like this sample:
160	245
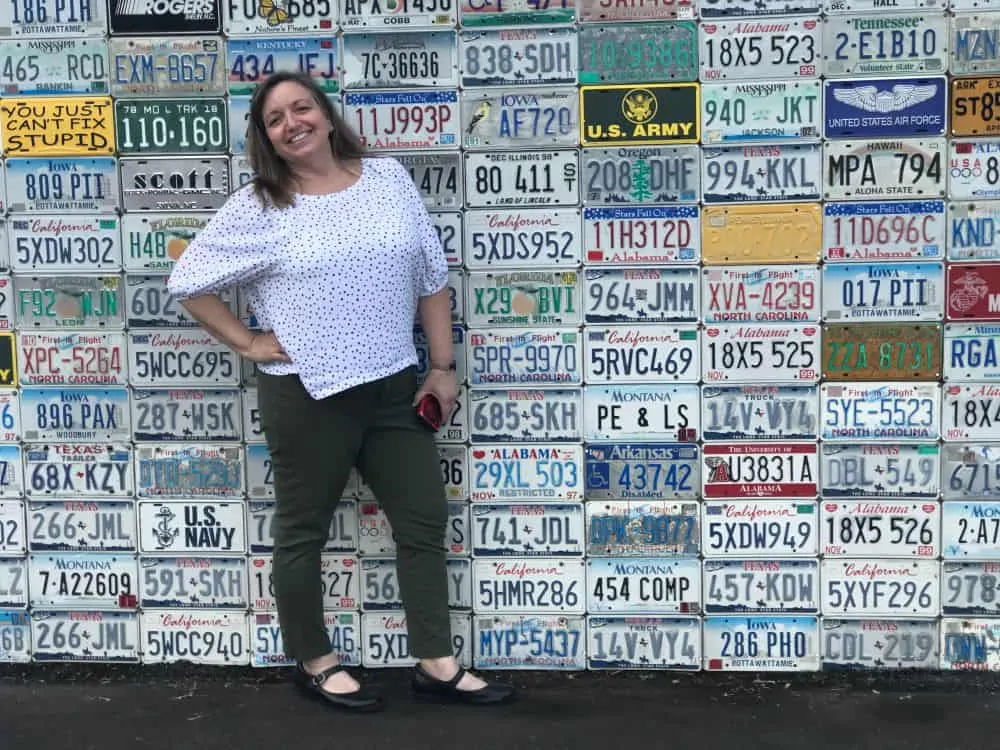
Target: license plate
149	304
970	530
85	580
518	57
785	586
189	526
523	298
641	175
85	636
974	292
637	53
759	412
187	357
339	583
970	588
15	637
69	301
603	10
501	239
189	414
760	173
971	351
423	353
13	582
404	120
879	351
190	470
12	530
759	49
260	472
974	51
884	107
11	481
161	66
974	231
77	526
420	59
57	126
529	471
642	235
873	44
10	416
194	582
531	586
641	412
438	178
239	119
881	528
637	528
971	108
77	185
970	644
522	178
641	296
880	411
178	183
172	126
891	230
375	535
755	353
749	112
881	587
774	470
974	169
756	644
970	412
76	414
455	428
250	62
453	460
342	536
448	225
880	644
510	530
761	294
56	66
633	471
415	13
787	233
342	628
386	641
93	358
644	585
499	416
213	637
240	171
475	13
730	8
252	17
644	643
538	641
52	243
876	170
874	470
525	356
152	242
252	432
70	469
520	118
48	18
620	114
643	354
854	6
972	471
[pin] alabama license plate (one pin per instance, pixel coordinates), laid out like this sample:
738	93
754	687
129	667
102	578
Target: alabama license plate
641	412
515	238
882	351
643	354
542	530
375	535
970	412
748	470
250	62
343	629
761	294
423	58
761	644
884	107
342	536
56	66
528	471
638	528
194	582
453	461
531	586
188	414
71	359
642	235
759	49
738	235
972	471
525	357
499	416
969	644
785	586
339	582
152	242
648	585
180	356
883	231
404	120
13	582
970	530
82	526
664	295
634	53
761	173
880	644
518	57
881	587
71	469
644	643
164	66
765	111
759	412
189	470
523	298
880	470
973	231
177	183
971	351
881	528
755	353
523	178
538	641
53	243
82	580
13	538
973	292
437	176
636	175
880	411
172	126
15	637
67	185
49	18
903	43
85	636
974	49
876	170
970	588
520	118
213	637
76	414
149	304
633	471
69	301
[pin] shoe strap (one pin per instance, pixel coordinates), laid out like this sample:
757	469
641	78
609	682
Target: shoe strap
319	678
453	682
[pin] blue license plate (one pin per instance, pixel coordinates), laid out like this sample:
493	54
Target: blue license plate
509	641
890	411
639	471
189	470
974	231
885	107
970	530
342	628
76	414
859	293
644	643
970	644
761	644
542	357
252	61
972	351
528	471
63	185
622	528
15	636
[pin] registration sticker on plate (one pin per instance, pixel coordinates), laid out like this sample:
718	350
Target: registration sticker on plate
627	471
892	230
650	115
974	292
881	528
523	178
642	235
213	637
884	107
761	294
880	470
68	469
880	644
972	471
510	530
178	183
477	13
666	295
644	643
194	582
76	414
69	301
879	411
882	351
499	416
515	238
970	530
85	636
527	471
970	644
636	528
438	178
759	412
375	536
342	537
523	298
755	50
180	356
339	582
342	628
974	231
770	470
902	43
82	526
250	62
525	357
785	353
641	175
520	118
13	582
638	53
164	66
85	580
386	641
643	354
53	243
876	170
786	233
172	126
189	470
532	586
881	587
971	351
648	585
152	242
971	412
12	531
404	120
191	527
15	637
538	641
748	112
761	644
57	126
761	173
93	358
64	66
786	586
414	59
974	50
970	588
641	412
67	185
188	414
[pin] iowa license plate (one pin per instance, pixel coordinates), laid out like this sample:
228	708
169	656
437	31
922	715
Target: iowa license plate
881	528
640	175
163	66
971	351
420	59
525	356
773	470
974	47
884	107
644	643
880	470
636	53
760	173
68	469
437	176
891	230
67	185
404	120
541	530
526	471
174	183
189	414
76	414
250	62
648	585
152	242
56	66
15	637
970	412
537	585
172	126
523	298
969	644
13	582
880	644
785	586
48	18
762	643
974	169
85	581
641	412
539	641
754	353
626	471
71	359
642	354
899	44
499	416
642	236
756	50
971	471
342	628
519	118
180	357
519	237
69	301
881	587
85	636
876	170
212	637
734	235
636	528
759	412
970	588
375	535
766	111
905	351
761	294
974	292
522	178
518	57
54	243
194	582
12	529
82	526
666	295
974	231
877	411
189	470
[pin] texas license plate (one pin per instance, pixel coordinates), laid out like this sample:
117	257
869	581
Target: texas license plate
525	356
640	175
82	526
50	18
755	353
880	411
641	412
761	294
628	471
69	469
404	120
343	629
375	535
15	637
774	470
973	169
882	351
163	66
71	359
58	66
149	303
188	414
518	57
880	470
180	356
212	637
786	233
644	584
527	471
66	185
499	416
881	528
85	580
339	583
880	644
13	538
900	44
642	236
761	643
973	292
531	586
876	170
881	587
761	173
250	62
76	414
971	351
972	471
730	8
523	178
455	429
13	582
970	530
69	301
52	243
973	231
644	643
172	126
635	53
637	528
758	50
342	536
641	296
885	107
520	118
151	242
438	178
85	636
189	470
765	111
510	530
523	298
759	412
970	644
892	230
786	586
178	183
643	354
970	412
194	582
970	588
260	471
513	238
423	58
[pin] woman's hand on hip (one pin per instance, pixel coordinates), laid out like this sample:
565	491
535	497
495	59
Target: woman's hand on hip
265	348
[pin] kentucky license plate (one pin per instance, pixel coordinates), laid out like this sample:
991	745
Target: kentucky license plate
974	231
67	185
881	528
881	587
188	414
499	416
637	528
640	175
12	529
56	66
765	111
71	359
518	57
970	530
972	471
85	636
544	530
51	18
970	412
642	235
189	470
756	49
761	173
515	238
172	126
882	351
641	296
970	644
897	44
524	178
15	637
642	354
641	412
635	53
891	230
343	629
213	637
971	351
973	169
879	470
523	298
647	585
785	586
163	66
538	641
755	353
766	233
184	183
76	414
525	356
529	471
194	582
152	242
761	644
185	357
876	411
404	120
53	243
250	62
71	469
520	118
624	471
86	581
880	644
970	588
419	59
876	170
82	526
884	107
761	294
749	470
13	582
644	643
69	301
531	586
759	412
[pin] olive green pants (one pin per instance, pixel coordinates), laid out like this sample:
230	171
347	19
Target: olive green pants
313	445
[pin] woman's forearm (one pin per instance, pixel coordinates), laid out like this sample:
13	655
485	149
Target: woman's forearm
435	319
218	319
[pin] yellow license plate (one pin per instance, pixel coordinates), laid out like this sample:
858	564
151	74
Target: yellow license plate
975	106
57	126
785	233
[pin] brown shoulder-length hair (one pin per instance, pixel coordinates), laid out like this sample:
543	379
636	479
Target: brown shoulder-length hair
272	181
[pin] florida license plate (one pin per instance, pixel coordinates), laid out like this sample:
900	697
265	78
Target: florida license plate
523	298
525	356
969	644
343	629
785	586
970	412
13	538
761	173
868	586
250	62
342	536
881	528
527	471
970	588
755	353
642	236
876	170
53	243
71	359
904	43
178	183
516	58
85	636
885	107
973	231
188	414
636	53
628	471
883	231
172	126
437	176
761	643
423	58
641	296
213	637
973	169
531	586
180	356
643	354
641	412
766	111
164	66
637	528
880	470
13	582
543	530
520	118
67	185
499	416
538	641
189	470
971	471
761	294
514	238
644	643
70	469
69	301
880	644
523	178
970	530
57	66
644	585
759	412
740	235
747	470
82	526
76	414
49	18
82	580
194	582
757	50
900	291
882	351
404	120
880	411
375	535
152	242
15	637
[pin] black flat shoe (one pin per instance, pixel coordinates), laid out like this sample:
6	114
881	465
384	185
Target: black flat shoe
362	700
430	688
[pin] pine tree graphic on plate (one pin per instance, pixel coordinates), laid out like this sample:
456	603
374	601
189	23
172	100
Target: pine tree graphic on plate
640	180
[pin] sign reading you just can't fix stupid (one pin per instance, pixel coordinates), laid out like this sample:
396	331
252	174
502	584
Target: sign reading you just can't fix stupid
57	126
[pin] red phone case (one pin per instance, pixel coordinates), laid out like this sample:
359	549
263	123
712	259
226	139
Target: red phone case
429	410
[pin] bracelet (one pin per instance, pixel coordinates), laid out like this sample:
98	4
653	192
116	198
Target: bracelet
449	368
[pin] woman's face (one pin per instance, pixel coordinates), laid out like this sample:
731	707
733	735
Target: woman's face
295	124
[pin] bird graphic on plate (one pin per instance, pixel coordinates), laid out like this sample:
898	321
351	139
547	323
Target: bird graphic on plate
898	98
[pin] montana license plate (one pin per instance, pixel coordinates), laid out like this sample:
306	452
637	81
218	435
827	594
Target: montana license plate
250	62
514	415
518	57
522	178
194	582
637	528
526	471
519	237
56	66
54	243
180	356
881	587
876	170
188	414
754	353
641	412
974	231
199	470
650	585
970	530
761	294
642	354
627	471
881	528
880	644
85	636
882	351
625	642
69	301
539	641
753	470
523	298
535	585
785	233
82	526
761	643
883	231
520	118
525	356
903	43
523	530
877	411
759	412
785	586
654	235
880	470
972	351
66	185
759	49
761	173
764	111
71	359
163	66
85	580
637	175
172	126
179	183
884	107
970	588
970	412
635	53
76	414
423	58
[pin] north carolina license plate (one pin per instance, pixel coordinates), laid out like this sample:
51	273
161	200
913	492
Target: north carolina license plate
177	183
517	57
342	536
786	233
520	118
631	471
881	528
172	126
15	637
637	175
664	295
71	359
754	353
13	538
526	471
53	243
519	237
643	354
250	62
970	530
730	8
85	580
342	628
404	120
524	178
530	586
386	640
511	530
13	582
339	582
970	412
765	111
882	351
49	18
194	582
188	414
891	230
56	66
884	107
759	49
189	470
759	412
761	643
638	53
375	535
973	169
880	470
641	412
539	641
260	471
85	636
897	44
876	170
180	356
761	294
786	586
644	643
420	59
881	587
972	471
151	242
163	66
761	173
213	637
69	469
69	301
149	304
525	357
971	351
974	231
974	47
773	470
880	644
76	414
67	185
637	528
973	292
970	588
644	585
82	526
523	298
642	235
970	644
880	411
498	416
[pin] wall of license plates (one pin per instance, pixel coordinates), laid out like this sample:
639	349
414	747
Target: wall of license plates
726	291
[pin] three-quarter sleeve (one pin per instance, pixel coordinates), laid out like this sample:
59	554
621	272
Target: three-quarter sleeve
432	275
236	247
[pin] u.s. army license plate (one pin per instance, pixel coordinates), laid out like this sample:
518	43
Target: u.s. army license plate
82	580
534	471
77	414
879	411
192	527
641	412
760	111
528	530
761	173
65	184
499	416
194	582
884	469
785	586
188	414
57	243
189	470
521	118
760	412
653	295
525	356
881	169
643	354
82	526
78	469
85	636
636	528
630	642
881	528
641	471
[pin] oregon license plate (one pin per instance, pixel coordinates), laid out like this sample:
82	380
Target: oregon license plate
881	587
524	178
881	528
884	107
523	298
250	62
194	582
172	126
174	183
54	66
728	8
974	47
759	412
880	411
759	49
386	640
644	585
13	537
882	351
48	18
761	173
190	470
342	536
898	44
515	238
212	637
970	412
76	414
786	233
641	412
971	471
152	242
755	353
642	235
664	295
973	292
375	535
761	643
53	243
82	580
525	356
423	58
971	351
13	582
638	53
639	175
644	643
539	641
786	586
643	354
880	644
969	644
974	231
498	416
747	470
82	526
404	120
527	471
85	636
761	294
518	57
93	358
636	528
880	470
765	111
531	586
509	530
343	629
632	471
15	637
65	185
69	301
876	170
68	469
164	66
182	356
891	230
188	414
970	588
520	118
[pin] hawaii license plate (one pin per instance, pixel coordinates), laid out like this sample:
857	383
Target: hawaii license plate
974	50
67	185
638	175
876	170
785	586
759	412
974	292
189	470
648	585
627	471
69	469
71	359
755	353
881	528
423	58
69	301
49	18
892	230
188	414
375	535
54	66
528	471
974	231
343	629
765	111
13	582
194	582
971	351
643	354
342	536
787	233
523	298
171	126
761	294
971	412
523	178
82	526
386	641
759	49
530	586
884	107
76	414
525	356
970	530
499	416
177	183
970	588
641	412
181	356
882	351
85	636
510	530
538	641
761	173
82	580
151	242
518	57
637	528
644	643
13	537
404	120
438	178
972	471
879	411
515	238
149	304
973	169
250	62
53	243
899	44
773	470
213	637
15	637
970	644
761	644
878	470
881	587
634	53
163	66
664	295
880	644
520	118
642	235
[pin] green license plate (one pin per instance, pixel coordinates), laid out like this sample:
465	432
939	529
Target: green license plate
638	52
68	301
172	126
877	351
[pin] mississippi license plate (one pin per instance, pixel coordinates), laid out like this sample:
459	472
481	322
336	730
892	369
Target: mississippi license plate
879	470
13	582
785	586
970	530
884	107
641	412
149	303
974	169
339	582
880	644
761	294
76	414
972	107
515	238
970	412
881	528
748	470
152	242
879	411
47	18
194	582
523	298
82	526
633	471
644	643
524	178
759	412
970	588
761	173
525	356
881	351
974	231
438	178
12	529
52	243
972	471
172	126
531	586
666	295
876	170
250	62
342	628
15	637
527	471
766	111
420	59
639	175
891	230
643	354
189	470
375	535
386	641
644	585
189	414
787	233
178	183
762	643
181	356
68	469
520	118
974	292
544	530
642	235
518	57
84	580
69	301
498	416
971	351
67	185
974	47
342	536
638	53
970	644
11	474
260	471
755	353
899	44
71	359
212	637
538	641
164	66
404	120
756	49
639	528
85	636
881	587
729	8
56	66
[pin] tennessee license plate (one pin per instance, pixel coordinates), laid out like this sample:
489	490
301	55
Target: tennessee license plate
969	644
761	294
642	236
881	587
189	414
15	637
774	470
70	469
343	629
970	412
640	412
881	528
644	584
181	356
189	470
404	120
524	178
642	354
531	586
76	414
787	233
765	111
644	643
342	536
761	643
163	66
759	50
212	637
970	530
754	353
518	57
57	66
423	58
539	641
375	535
785	586
635	471
69	301
438	178
880	470
970	588
13	582
973	292
878	411
85	580
900	291
12	530
175	183
870	351
499	416
386	640
52	243
194	582
71	359
68	185
511	530
761	173
527	471
973	231
880	644
172	126
884	107
759	412
973	169
880	169
523	298
900	44
153	241
640	175
633	53
972	471
637	528
82	526
513	238
641	296
520	118
883	231
525	356
85	636
48	18
250	62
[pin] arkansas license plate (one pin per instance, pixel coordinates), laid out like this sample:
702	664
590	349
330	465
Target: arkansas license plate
404	120
189	414
759	412
973	169
761	294
532	586
13	582
900	44
86	580
180	356
892	230
973	292
437	176
12	529
70	469
342	628
970	644
544	530
76	414
520	118
82	526
194	582
972	107
648	585
423	58
974	231
525	356
640	175
644	643
49	18
250	62
972	471
539	641
787	233
765	111
69	301
85	636
527	471
634	53
970	588
900	291
640	412
876	170
71	359
189	470
516	58
522	178
67	185
643	354
629	471
759	50
885	107
880	470
172	126
786	586
515	238
774	470
651	295
178	183
754	353
52	243
879	411
163	66
970	530
761	644
871	351
971	352
15	637
153	241
971	412
880	644
642	236
881	587
523	298
213	637
761	173
638	528
63	66
499	416
881	528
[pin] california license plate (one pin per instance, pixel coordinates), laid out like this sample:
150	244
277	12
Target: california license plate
974	231
149	304
525	357
785	586
970	588
644	643
69	301
970	644
891	230
533	471
971	351
878	411
876	170
152	242
518	57
899	44
753	353
512	530
759	49
523	178
641	412
194	582
342	536
881	528
730	8
761	173
250	62
761	294
654	295
880	644
884	107
539	641
49	18
644	585
70	469
765	111
178	183
880	470
761	643
386	641
881	587
970	530
180	356
631	471
85	636
523	298
437	176
973	292
531	586
15	637
85	580
972	471
498	416
13	582
76	414
970	412
748	470
188	414
759	412
420	59
375	535
635	53
71	359
13	538
212	637
404	120
172	126
57	66
637	528
640	175
342	628
53	243
164	66
82	526
643	354
642	235
66	185
882	351
514	238
189	470
520	118
786	233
